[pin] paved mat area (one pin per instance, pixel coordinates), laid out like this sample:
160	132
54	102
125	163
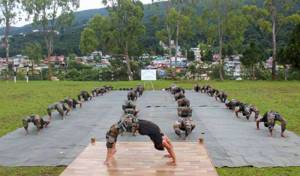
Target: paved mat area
230	141
192	160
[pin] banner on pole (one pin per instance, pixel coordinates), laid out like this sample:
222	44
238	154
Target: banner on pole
148	75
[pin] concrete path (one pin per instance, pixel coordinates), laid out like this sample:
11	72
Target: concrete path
230	141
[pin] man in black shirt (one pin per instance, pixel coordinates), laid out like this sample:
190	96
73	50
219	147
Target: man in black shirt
145	127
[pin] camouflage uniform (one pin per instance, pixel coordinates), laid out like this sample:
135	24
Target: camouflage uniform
211	92
270	119
84	96
179	95
222	96
232	104
185	122
197	88
72	103
61	107
39	122
247	110
205	88
131	96
129	108
139	90
183	102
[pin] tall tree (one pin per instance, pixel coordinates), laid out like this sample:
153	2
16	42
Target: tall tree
277	14
50	15
34	52
223	22
126	26
8	9
290	54
96	35
177	24
251	56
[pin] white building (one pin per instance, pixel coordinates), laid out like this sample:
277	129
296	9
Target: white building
197	53
232	66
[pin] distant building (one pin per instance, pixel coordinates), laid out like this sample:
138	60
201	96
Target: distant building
57	60
197	53
232	66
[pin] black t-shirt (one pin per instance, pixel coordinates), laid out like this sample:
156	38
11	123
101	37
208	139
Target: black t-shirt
153	131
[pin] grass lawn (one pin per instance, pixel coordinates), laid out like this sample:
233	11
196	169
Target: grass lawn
21	99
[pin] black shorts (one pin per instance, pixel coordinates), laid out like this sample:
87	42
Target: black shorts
158	142
153	131
110	140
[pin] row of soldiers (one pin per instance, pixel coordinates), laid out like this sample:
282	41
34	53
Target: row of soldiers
128	121
269	118
184	111
63	107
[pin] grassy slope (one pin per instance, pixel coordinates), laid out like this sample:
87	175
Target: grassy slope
22	99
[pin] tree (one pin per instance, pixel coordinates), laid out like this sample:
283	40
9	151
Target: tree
224	24
177	24
88	41
34	52
8	9
126	26
251	56
51	15
277	14
96	35
291	53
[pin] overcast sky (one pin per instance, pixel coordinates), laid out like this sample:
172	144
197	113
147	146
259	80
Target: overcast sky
84	5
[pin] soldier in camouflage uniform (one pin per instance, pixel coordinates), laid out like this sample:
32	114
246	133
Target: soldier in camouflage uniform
130	108
222	96
39	122
72	103
183	102
232	104
139	90
84	96
197	88
179	95
61	108
131	96
269	119
246	110
211	91
185	122
205	88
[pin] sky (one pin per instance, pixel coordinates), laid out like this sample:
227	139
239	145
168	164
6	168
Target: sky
84	5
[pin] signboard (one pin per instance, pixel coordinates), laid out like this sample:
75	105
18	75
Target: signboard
148	75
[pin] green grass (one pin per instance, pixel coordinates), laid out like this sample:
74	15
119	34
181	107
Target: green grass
249	171
31	171
21	99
